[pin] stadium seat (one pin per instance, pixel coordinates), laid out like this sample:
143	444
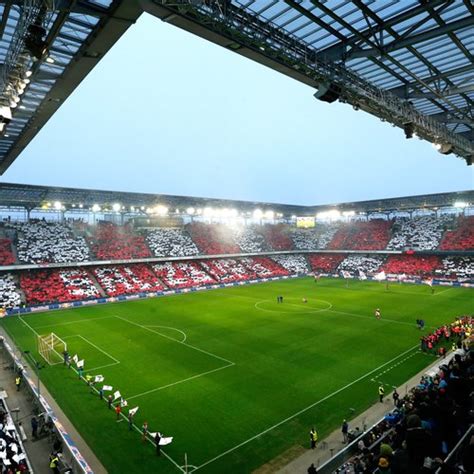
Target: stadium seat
213	239
415	265
9	294
359	235
276	236
171	243
295	264
6	254
460	238
365	263
325	262
182	274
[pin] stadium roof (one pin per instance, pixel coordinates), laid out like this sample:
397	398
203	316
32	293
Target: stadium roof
37	197
409	63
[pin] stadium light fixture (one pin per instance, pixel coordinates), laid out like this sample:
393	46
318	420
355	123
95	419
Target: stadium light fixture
81	206
190	211
269	215
50	60
95	208
57	205
348	213
460	204
293	216
437	146
234	213
28	73
257	214
208	211
116	207
161	210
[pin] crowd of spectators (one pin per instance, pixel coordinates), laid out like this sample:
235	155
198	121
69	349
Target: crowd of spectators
415	265
57	286
12	455
249	240
325	262
113	242
456	267
296	264
182	274
49	242
213	239
276	236
9	295
227	270
171	243
356	262
6	255
425	426
264	267
362	235
460	238
315	238
419	233
119	280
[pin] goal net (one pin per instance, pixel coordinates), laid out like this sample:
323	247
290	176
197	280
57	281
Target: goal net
52	348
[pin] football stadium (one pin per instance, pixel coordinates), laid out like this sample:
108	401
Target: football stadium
176	333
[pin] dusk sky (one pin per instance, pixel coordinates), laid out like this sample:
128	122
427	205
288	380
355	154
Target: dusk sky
168	112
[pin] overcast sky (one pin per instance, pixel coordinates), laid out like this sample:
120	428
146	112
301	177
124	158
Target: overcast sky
168	112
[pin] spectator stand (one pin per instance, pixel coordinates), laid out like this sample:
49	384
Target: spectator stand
71	458
9	292
170	242
12	451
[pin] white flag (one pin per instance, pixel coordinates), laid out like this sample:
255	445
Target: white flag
99	378
380	276
402	277
165	441
429	282
362	275
345	274
107	388
80	364
132	411
123	403
75	358
117	395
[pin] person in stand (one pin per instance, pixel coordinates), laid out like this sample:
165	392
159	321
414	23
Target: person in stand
345	431
17	382
312	469
395	396
313	437
381	393
157	443
54	462
34	428
118	411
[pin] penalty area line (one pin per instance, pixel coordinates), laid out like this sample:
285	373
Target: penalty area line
327	397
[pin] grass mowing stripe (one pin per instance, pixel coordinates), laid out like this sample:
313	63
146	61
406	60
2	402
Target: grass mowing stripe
180	381
175	340
373	318
73	322
27	325
327	397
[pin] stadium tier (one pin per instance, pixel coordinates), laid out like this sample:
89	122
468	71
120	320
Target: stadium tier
461	237
411	265
371	235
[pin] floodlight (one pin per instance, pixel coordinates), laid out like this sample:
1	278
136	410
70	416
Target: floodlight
348	213
28	73
257	214
460	204
208	211
34	42
57	205
234	213
437	146
50	60
81	206
190	210
116	207
95	208
409	129
5	114
269	214
293	216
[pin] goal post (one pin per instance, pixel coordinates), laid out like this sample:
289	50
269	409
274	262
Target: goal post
51	347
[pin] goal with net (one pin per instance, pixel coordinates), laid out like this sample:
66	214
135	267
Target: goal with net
52	348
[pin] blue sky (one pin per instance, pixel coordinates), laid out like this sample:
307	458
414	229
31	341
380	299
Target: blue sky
168	112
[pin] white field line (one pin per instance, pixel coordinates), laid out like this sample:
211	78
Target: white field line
229	362
179	381
169	327
74	322
374	319
28	326
116	361
442	291
327	397
307	309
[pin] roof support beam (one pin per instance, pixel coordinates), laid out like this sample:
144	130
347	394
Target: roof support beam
411	40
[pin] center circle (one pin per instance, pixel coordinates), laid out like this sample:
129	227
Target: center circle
292	305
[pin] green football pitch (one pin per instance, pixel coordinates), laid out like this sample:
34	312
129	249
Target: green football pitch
234	377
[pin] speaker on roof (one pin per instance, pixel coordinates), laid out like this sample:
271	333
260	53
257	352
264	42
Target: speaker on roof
328	92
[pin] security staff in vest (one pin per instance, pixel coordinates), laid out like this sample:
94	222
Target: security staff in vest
381	393
313	437
17	382
54	462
